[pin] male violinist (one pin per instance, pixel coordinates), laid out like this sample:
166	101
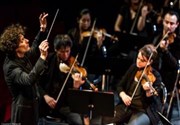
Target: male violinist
139	102
168	49
56	111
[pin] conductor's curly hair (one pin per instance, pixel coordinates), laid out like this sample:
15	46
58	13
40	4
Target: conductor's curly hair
9	39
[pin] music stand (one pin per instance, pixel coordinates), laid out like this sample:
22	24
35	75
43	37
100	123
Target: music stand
92	103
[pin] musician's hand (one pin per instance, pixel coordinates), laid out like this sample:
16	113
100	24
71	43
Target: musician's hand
144	11
43	47
125	98
164	44
149	93
100	38
50	101
78	81
146	86
43	21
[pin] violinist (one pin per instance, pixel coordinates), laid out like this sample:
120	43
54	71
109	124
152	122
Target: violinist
77	33
80	35
168	50
127	17
55	111
142	106
147	21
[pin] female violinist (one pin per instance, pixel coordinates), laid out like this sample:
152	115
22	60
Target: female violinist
89	55
80	35
142	106
77	33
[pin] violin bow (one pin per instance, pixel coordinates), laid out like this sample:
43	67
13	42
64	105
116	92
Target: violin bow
70	71
136	17
85	53
87	46
139	81
52	24
135	90
147	65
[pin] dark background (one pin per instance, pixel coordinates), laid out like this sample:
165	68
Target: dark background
27	12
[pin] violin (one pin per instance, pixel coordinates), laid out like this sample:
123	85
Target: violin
167	39
97	33
149	77
171	37
76	69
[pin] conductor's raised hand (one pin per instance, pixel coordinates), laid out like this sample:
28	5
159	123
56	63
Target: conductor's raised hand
43	21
